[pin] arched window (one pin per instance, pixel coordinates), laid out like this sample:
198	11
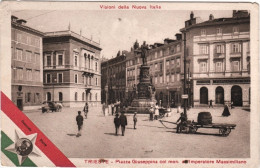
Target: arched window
219	95
83	96
60	96
203	95
96	96
76	96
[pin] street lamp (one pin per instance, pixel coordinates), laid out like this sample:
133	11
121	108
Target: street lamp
53	89
167	87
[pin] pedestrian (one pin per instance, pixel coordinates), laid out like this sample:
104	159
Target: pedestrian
156	111
135	120
123	122
117	123
85	109
231	104
210	104
183	119
179	109
151	111
79	120
226	112
104	109
112	106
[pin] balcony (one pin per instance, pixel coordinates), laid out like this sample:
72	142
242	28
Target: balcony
235	55
219	55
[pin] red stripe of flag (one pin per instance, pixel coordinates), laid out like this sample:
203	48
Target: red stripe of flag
19	118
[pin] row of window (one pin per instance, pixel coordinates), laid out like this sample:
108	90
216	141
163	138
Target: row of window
83	95
170	78
28	39
32	97
59	79
220	48
219	66
60	61
203	32
28	75
163	52
28	56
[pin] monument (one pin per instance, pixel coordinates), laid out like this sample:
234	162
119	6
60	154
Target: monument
145	90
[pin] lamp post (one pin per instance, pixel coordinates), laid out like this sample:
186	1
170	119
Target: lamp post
167	87
53	89
185	80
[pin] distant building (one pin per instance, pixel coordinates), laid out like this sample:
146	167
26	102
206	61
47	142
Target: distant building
113	79
27	84
165	64
218	57
71	69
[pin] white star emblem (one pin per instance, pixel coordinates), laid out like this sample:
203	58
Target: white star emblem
23	146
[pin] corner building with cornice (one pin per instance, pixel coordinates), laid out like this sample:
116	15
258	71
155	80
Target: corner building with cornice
71	69
218	56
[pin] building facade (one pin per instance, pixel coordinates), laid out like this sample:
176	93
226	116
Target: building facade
218	57
71	69
26	65
113	79
165	64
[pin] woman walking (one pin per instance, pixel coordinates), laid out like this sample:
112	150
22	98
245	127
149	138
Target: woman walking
156	111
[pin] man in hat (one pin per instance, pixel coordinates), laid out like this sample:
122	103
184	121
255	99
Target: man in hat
79	120
117	123
85	109
123	122
135	119
151	111
183	120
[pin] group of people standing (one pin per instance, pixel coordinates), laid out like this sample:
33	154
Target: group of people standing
120	121
154	112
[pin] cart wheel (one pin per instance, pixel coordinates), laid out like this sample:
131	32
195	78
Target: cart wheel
193	129
224	131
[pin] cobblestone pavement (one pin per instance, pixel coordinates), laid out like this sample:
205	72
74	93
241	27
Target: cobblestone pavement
151	139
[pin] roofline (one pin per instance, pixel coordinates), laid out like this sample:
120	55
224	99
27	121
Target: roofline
72	34
14	24
206	23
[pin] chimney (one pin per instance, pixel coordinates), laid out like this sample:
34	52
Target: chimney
178	36
21	21
211	17
191	15
14	18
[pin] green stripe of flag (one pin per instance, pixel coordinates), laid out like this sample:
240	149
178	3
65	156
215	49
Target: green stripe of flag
5	142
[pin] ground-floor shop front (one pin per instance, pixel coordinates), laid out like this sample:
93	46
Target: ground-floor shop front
73	96
27	97
221	92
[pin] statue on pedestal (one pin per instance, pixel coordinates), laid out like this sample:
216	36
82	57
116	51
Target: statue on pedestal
144	52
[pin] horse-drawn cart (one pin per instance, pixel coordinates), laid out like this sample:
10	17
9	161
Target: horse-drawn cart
192	127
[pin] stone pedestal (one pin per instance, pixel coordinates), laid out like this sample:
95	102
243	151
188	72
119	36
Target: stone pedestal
145	97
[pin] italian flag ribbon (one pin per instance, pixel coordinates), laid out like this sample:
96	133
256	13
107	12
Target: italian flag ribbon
23	144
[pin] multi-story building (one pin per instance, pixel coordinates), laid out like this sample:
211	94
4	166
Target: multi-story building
27	72
71	69
218	56
113	79
165	70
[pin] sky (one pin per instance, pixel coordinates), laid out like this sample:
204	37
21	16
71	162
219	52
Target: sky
116	29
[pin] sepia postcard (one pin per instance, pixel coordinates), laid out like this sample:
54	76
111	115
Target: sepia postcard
129	84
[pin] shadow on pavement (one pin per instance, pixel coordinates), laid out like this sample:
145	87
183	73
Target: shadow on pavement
72	134
129	128
200	133
111	134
